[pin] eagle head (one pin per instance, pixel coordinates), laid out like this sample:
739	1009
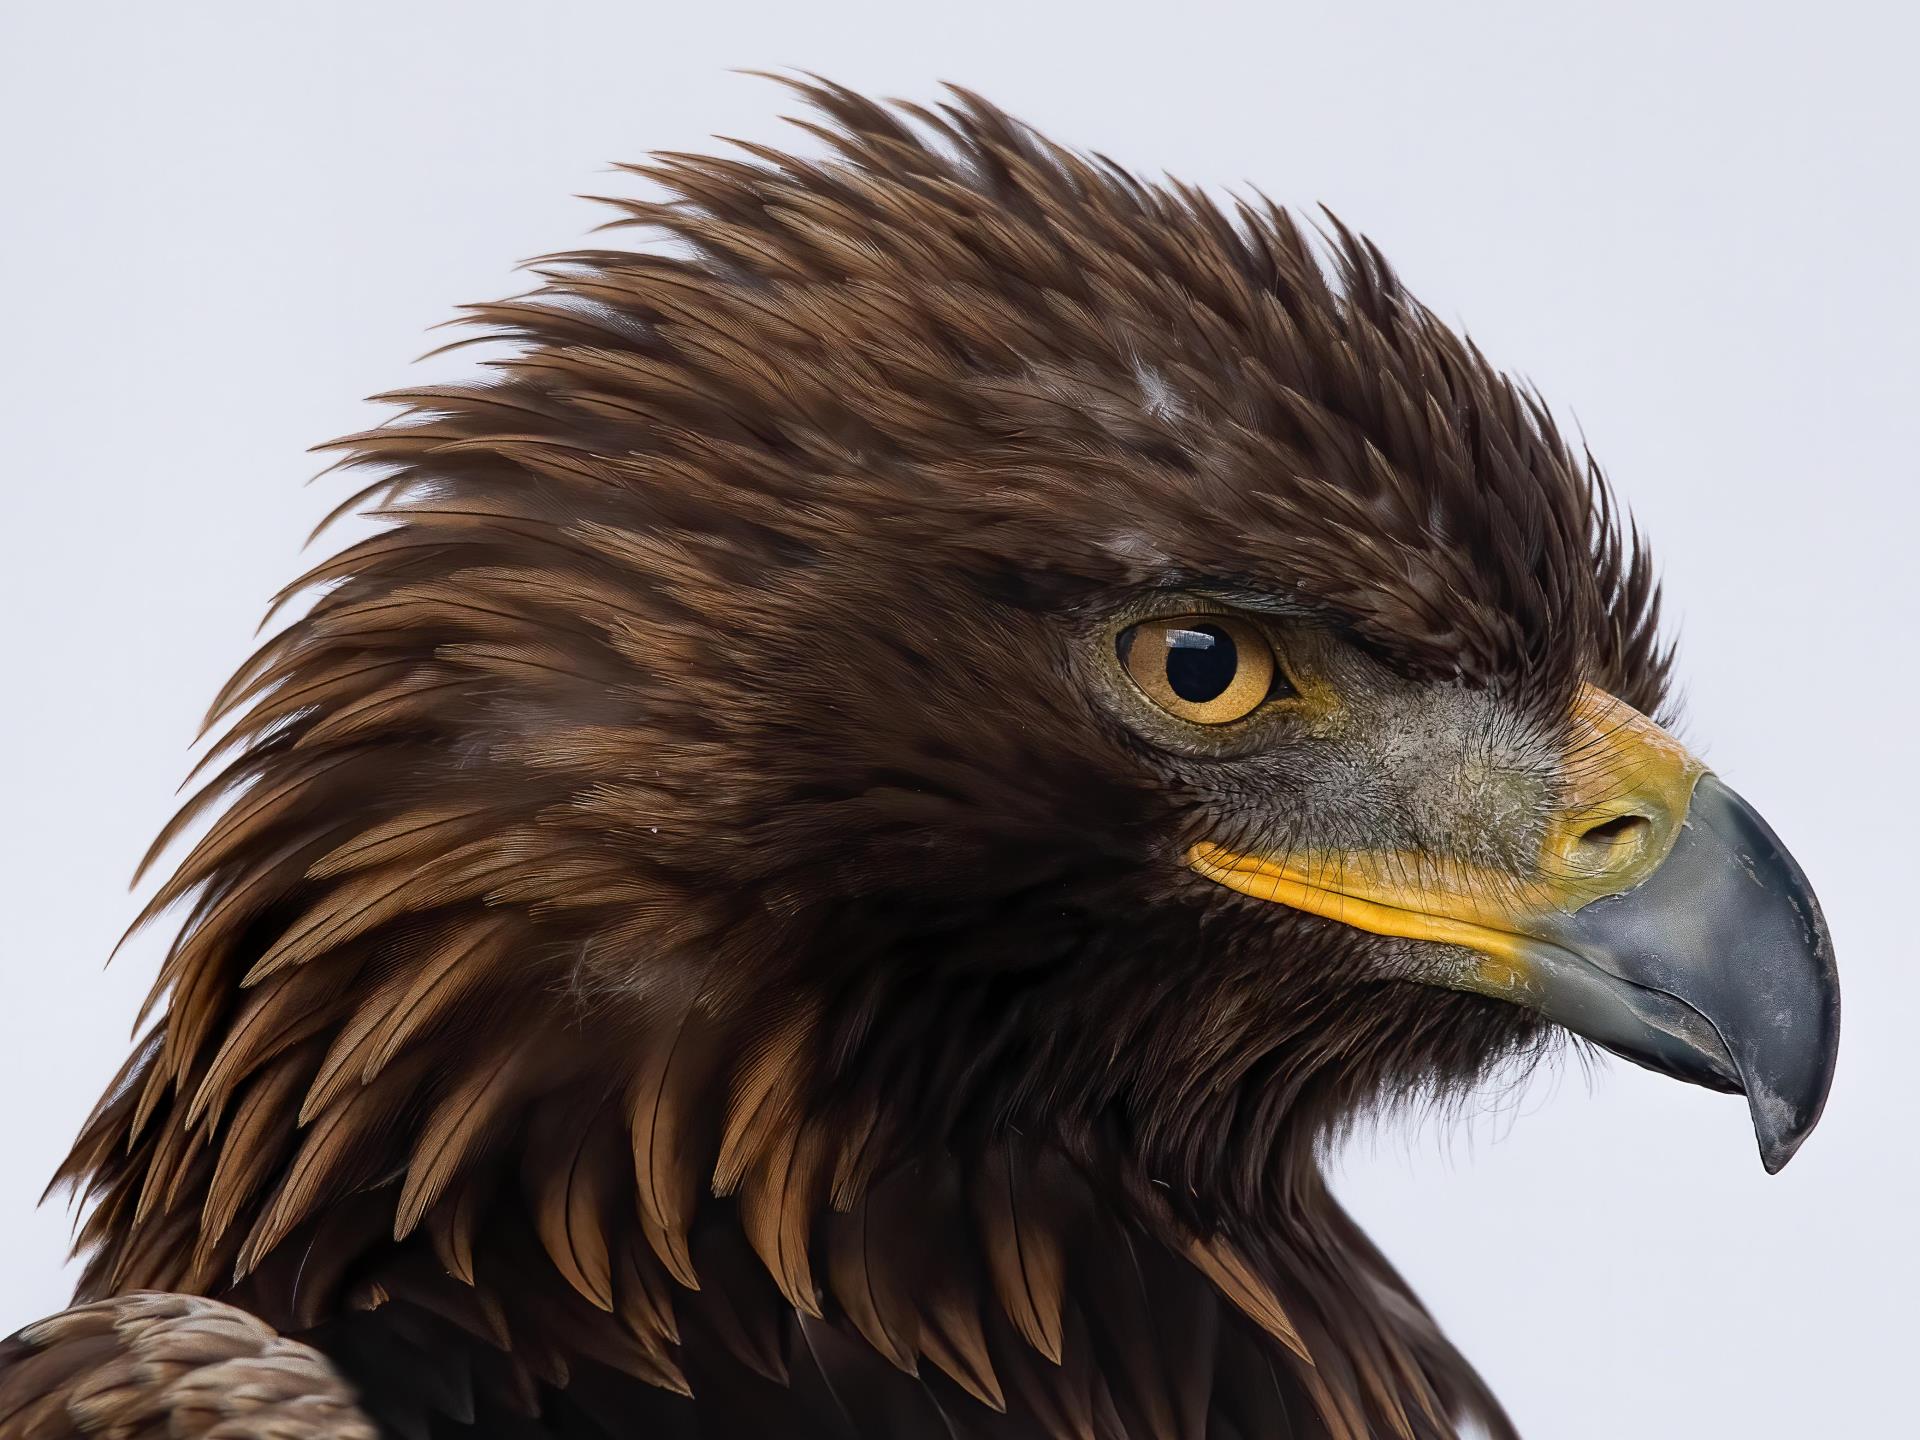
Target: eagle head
967	695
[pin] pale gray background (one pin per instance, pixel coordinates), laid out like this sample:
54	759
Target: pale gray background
1693	225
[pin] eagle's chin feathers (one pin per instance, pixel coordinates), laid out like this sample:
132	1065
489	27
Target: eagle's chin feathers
674	928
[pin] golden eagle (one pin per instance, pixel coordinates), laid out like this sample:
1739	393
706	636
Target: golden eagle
898	768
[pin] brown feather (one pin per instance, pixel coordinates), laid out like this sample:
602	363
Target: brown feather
340	1150
450	1225
458	1127
573	1165
1023	1250
1227	1268
778	1201
258	1136
409	1004
868	1251
669	1086
273	1019
765	1099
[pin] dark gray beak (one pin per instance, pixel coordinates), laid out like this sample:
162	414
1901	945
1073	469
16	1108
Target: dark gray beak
1717	968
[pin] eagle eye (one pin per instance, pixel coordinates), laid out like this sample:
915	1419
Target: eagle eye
1206	669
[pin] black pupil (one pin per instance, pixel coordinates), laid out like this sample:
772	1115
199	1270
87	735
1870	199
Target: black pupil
1200	662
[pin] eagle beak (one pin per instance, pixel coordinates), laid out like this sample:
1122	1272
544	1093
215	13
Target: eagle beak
1664	920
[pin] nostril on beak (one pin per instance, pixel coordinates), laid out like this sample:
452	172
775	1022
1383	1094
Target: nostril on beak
1614	842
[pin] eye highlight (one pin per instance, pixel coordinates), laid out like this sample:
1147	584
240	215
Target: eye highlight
1205	669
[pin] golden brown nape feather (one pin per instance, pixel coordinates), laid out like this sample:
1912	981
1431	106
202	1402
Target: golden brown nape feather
672	929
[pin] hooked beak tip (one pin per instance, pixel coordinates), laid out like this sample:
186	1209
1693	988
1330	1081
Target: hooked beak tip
1779	1126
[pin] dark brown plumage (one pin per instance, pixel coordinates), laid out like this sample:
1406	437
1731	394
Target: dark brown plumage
682	919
